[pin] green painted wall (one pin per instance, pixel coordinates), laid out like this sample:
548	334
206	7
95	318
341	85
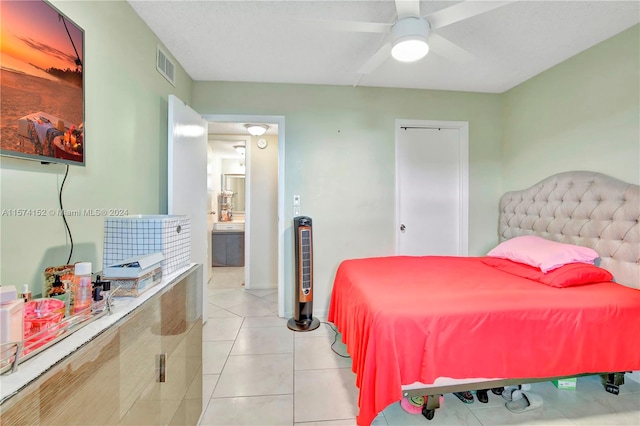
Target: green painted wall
126	149
583	114
339	156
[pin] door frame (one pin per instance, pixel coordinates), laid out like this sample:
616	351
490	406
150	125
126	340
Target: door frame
267	119
463	145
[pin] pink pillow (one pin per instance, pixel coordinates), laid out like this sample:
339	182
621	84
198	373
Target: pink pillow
541	253
565	276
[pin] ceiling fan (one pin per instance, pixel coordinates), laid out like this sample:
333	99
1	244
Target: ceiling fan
411	36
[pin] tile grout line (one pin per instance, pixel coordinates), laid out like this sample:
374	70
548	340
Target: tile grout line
232	345
293	378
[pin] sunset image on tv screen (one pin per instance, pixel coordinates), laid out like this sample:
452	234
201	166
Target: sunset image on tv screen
41	81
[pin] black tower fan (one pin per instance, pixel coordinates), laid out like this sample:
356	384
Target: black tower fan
303	319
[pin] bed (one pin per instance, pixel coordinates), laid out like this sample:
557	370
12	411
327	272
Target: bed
437	324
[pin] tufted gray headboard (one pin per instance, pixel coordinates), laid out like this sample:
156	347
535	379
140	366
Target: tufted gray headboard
582	208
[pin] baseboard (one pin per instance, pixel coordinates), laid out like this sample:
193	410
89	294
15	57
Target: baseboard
261	286
320	314
634	375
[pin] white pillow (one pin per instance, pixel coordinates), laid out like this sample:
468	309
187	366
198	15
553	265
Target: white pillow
541	253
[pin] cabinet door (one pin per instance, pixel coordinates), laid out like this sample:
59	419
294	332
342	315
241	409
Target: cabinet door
219	249
182	342
83	389
174	328
235	249
140	343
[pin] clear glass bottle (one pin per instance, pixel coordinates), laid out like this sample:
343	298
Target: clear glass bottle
106	289
26	293
82	287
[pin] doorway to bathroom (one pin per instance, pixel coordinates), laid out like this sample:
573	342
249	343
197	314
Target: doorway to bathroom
246	244
226	168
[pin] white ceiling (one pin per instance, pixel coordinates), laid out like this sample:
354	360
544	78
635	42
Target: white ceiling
292	41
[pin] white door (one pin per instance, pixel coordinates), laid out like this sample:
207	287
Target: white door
187	180
431	188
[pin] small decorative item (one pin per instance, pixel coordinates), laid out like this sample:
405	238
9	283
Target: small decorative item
225	206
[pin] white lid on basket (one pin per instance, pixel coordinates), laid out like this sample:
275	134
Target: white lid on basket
83	268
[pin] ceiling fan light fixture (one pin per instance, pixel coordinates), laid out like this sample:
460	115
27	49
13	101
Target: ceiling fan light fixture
256	129
409	49
410	39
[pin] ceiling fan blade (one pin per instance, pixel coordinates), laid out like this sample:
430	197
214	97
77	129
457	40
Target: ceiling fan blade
448	49
376	59
408	8
461	11
349	26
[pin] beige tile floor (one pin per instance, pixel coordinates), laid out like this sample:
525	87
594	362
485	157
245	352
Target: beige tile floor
258	372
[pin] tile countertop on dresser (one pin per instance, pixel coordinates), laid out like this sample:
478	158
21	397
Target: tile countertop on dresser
33	368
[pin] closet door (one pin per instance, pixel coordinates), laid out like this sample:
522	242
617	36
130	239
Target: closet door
431	188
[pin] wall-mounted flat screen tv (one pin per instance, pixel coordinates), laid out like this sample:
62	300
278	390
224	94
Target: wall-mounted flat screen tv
42	83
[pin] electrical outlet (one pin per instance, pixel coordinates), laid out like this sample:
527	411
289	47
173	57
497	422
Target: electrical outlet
296	201
296	211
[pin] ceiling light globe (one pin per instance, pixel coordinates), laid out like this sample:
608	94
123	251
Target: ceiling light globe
256	129
409	49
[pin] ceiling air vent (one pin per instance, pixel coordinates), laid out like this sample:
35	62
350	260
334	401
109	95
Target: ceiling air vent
165	66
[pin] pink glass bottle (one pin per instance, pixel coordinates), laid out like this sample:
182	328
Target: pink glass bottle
82	287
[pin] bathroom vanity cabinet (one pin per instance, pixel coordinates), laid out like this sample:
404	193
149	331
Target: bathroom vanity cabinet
227	248
144	369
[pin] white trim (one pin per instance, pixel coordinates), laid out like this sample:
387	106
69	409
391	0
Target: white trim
267	119
463	144
247	213
634	375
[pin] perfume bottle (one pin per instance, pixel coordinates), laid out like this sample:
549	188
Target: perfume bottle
26	293
82	287
98	299
57	289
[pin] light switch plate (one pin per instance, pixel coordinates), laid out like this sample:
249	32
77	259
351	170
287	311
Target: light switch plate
296	200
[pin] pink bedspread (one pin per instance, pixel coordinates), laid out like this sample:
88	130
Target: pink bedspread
414	319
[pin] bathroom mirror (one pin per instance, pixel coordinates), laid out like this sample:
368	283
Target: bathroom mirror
235	183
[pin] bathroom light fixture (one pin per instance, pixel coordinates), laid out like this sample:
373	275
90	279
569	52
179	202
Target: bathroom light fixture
410	39
256	129
239	149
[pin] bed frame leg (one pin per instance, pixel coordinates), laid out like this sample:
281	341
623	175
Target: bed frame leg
614	381
429	408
